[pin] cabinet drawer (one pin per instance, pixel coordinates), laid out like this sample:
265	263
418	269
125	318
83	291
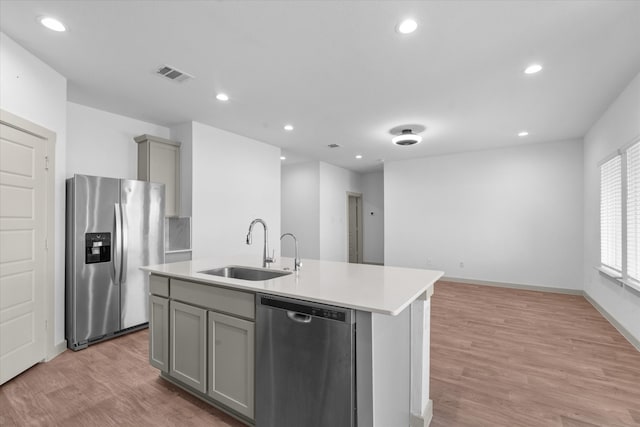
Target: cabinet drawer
212	297
159	285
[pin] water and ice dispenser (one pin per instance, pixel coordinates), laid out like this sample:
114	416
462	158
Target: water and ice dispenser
97	247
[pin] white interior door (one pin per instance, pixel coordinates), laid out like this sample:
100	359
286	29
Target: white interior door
22	251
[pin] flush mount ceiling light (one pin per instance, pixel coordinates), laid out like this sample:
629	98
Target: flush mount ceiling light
406	135
533	68
52	24
407	26
359	156
288	127
523	133
222	97
406	138
283	158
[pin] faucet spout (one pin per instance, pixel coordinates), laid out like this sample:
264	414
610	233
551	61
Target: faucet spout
296	262
266	259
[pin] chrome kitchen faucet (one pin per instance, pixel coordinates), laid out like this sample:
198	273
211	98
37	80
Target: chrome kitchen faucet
296	262
266	260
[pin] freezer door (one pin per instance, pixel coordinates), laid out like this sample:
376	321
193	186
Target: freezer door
93	294
142	243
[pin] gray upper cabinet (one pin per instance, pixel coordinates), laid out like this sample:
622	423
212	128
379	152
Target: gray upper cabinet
159	161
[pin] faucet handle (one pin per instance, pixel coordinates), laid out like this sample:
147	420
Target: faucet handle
272	258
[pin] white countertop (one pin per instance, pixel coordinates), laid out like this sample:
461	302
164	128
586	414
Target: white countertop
373	288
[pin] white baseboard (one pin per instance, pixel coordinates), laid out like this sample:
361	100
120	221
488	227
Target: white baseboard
514	286
623	331
425	419
57	350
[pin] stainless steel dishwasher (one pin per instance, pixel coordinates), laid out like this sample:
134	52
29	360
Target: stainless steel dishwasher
305	364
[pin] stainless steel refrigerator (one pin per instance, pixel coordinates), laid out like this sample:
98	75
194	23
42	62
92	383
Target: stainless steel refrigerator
114	226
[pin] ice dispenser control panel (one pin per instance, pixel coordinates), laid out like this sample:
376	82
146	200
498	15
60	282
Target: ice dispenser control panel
97	247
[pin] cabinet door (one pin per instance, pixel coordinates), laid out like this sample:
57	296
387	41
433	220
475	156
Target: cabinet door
188	349
159	332
164	167
231	362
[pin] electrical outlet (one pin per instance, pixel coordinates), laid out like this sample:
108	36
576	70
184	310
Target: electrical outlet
461	264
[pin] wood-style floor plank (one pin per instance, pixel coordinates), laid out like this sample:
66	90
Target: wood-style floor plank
107	384
499	357
508	357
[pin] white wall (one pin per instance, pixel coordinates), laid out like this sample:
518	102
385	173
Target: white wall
619	125
373	225
335	182
235	179
510	215
31	89
301	208
101	143
314	208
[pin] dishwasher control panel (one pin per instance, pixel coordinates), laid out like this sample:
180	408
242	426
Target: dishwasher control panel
305	308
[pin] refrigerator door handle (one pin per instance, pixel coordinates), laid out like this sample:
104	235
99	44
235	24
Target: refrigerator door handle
117	253
125	232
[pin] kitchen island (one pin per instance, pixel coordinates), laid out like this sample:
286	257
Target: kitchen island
203	336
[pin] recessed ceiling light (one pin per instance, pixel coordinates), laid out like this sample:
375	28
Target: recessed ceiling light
283	158
523	133
359	156
52	24
533	68
222	97
288	127
407	26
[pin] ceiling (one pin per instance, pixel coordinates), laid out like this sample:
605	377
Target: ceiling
340	73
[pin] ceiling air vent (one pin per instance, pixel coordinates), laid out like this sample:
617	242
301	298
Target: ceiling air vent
333	146
173	73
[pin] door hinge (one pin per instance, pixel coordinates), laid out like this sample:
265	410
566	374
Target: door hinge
46	325
46	243
46	163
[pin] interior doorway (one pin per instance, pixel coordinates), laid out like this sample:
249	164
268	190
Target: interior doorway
354	228
26	234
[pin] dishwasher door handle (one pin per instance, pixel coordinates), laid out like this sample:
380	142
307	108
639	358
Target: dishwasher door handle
299	317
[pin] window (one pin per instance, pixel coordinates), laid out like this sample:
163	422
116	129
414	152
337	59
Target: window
620	215
611	214
633	212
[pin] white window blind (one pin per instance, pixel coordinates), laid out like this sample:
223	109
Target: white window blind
633	211
611	213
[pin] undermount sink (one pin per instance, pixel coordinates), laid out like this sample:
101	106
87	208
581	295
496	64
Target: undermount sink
245	273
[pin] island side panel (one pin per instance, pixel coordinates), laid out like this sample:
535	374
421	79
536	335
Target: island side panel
421	405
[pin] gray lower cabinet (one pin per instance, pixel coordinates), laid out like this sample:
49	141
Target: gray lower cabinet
203	336
188	350
231	362
159	332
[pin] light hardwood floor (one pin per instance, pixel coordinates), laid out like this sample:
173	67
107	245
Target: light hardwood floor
506	357
499	357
